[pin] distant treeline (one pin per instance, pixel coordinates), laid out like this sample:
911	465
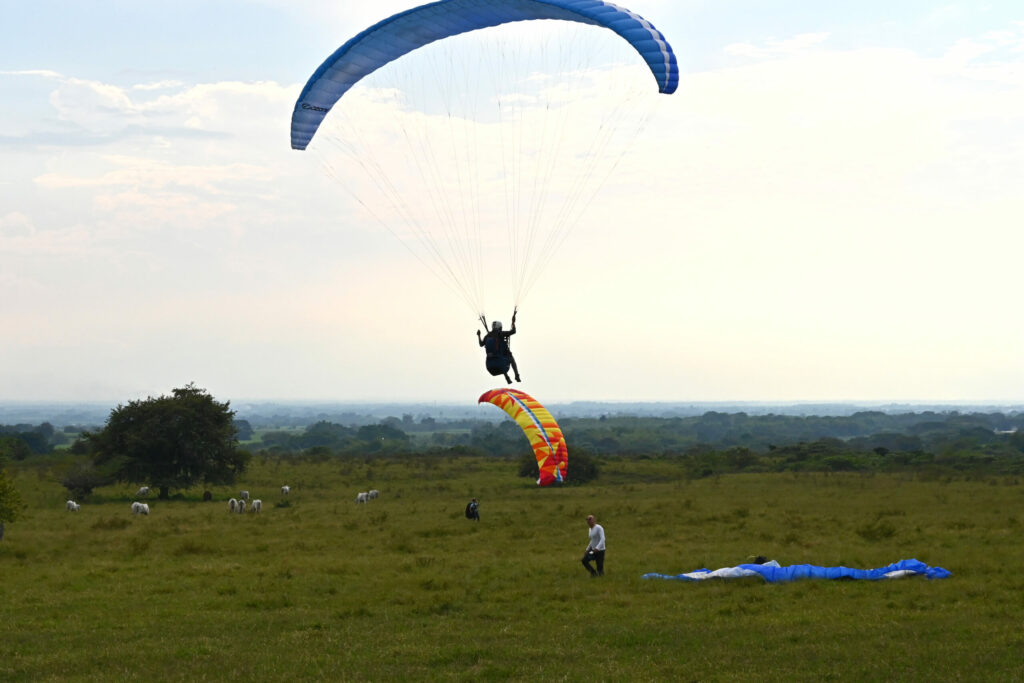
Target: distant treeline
715	442
708	444
868	430
20	441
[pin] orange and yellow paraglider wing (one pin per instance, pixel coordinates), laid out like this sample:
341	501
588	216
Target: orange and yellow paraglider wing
543	432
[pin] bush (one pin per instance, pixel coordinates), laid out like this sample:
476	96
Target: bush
81	479
582	467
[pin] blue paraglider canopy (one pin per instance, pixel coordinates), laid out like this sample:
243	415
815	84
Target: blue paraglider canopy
406	31
772	572
479	132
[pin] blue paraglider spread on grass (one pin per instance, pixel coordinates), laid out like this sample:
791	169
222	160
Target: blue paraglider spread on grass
772	572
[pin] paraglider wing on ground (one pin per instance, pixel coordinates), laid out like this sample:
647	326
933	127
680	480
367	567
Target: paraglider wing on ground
772	572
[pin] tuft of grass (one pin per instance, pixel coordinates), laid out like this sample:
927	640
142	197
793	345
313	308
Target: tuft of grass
194	547
879	530
111	523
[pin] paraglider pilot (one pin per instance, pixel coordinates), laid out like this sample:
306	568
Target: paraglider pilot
499	355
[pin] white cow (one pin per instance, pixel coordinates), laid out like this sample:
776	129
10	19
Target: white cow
241	506
144	491
362	497
72	506
373	494
285	490
232	505
257	505
244	495
140	508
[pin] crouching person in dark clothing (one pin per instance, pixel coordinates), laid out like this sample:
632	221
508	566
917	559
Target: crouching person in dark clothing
595	549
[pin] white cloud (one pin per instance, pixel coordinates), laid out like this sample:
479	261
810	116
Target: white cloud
163	108
16	224
798	45
158	85
41	73
150	174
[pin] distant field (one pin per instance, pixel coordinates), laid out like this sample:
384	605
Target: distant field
406	588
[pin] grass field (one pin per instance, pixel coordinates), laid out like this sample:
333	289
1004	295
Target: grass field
407	588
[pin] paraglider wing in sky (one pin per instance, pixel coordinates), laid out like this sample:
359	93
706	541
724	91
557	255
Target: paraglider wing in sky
541	429
480	132
406	31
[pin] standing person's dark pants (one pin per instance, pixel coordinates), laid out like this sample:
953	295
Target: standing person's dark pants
598	557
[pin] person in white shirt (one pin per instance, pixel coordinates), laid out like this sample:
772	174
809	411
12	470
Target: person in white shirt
595	549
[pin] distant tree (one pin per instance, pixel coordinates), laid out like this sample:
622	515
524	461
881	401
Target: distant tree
385	431
14	447
11	504
46	430
81	445
37	441
39	438
1017	440
244	430
504	439
170	442
325	433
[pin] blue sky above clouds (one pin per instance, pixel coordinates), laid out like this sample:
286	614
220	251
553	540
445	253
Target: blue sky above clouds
838	216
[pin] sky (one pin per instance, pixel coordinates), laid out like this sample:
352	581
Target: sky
828	209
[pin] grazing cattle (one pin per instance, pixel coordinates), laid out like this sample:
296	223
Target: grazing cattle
373	494
244	495
362	497
285	490
144	491
232	505
241	506
257	505
140	508
72	506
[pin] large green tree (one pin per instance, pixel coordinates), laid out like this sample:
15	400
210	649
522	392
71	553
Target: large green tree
170	442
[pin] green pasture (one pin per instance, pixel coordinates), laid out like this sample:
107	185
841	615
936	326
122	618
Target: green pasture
405	588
